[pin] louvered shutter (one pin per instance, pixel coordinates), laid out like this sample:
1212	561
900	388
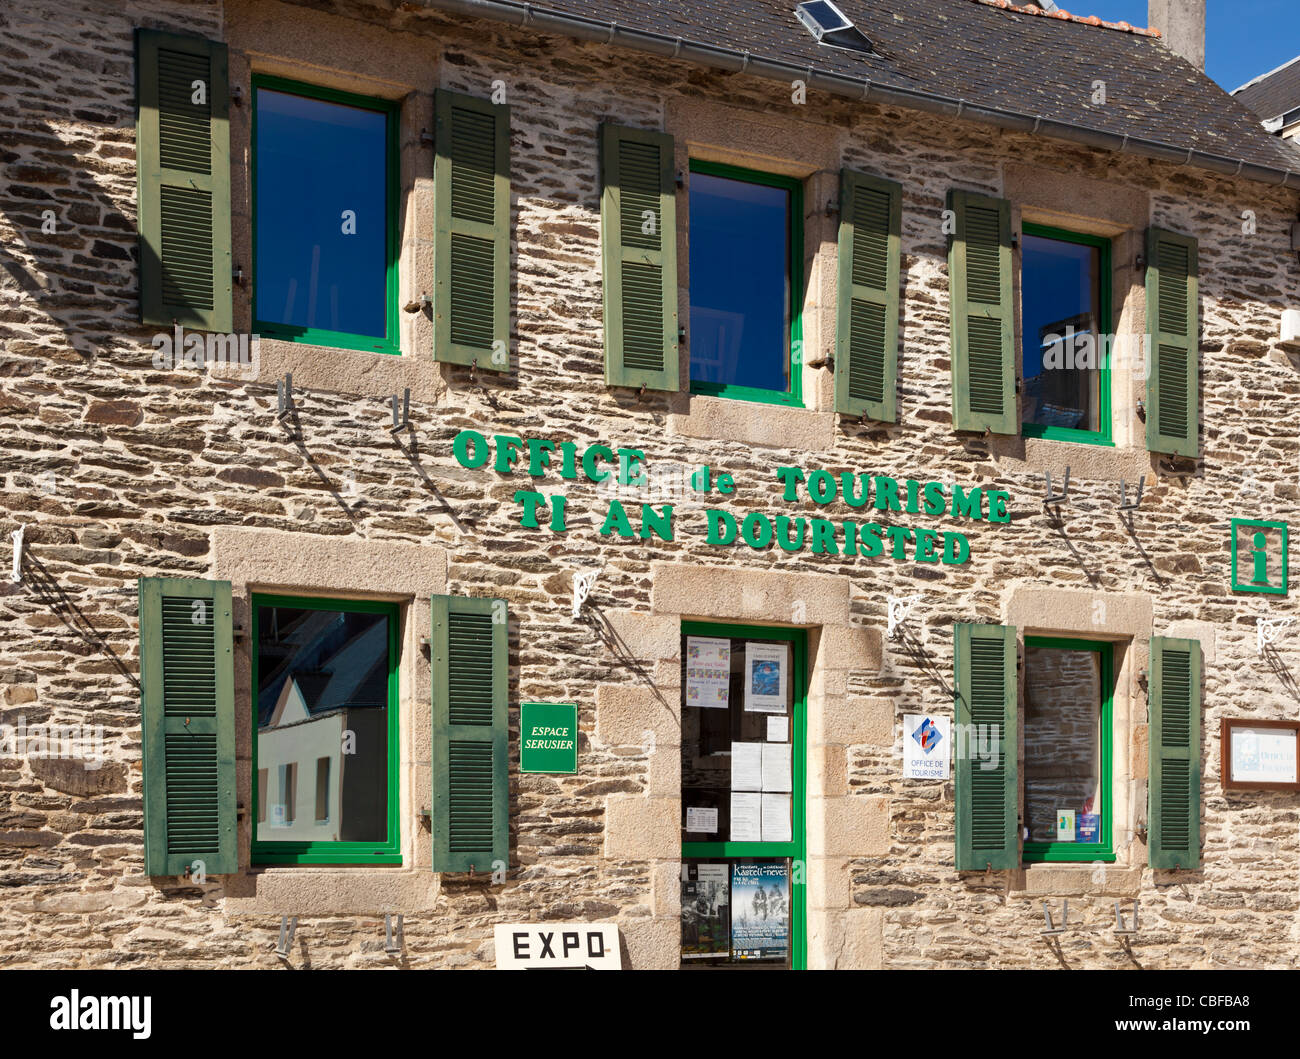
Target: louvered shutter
638	239
471	796
983	356
183	180
1174	353
986	706
1174	749
471	205
187	716
866	344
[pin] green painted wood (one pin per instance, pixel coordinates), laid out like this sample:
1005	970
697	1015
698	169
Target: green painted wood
187	716
1174	754
471	209
638	240
183	180
983	331
1173	329
988	799
471	781
866	344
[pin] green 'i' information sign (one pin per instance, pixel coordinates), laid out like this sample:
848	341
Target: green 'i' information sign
548	737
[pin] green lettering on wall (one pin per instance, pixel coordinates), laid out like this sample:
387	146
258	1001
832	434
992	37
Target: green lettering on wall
532	502
508	449
756	530
790	477
783	532
967	505
956	548
660	523
460	449
616	520
722	527
887	495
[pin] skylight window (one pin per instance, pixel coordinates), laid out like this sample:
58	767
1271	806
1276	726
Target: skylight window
831	26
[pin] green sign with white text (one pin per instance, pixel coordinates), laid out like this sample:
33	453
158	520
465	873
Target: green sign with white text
548	737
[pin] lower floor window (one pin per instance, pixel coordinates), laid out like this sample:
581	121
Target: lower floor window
325	751
743	715
1067	770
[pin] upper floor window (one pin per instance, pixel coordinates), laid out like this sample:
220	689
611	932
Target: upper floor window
324	216
1065	313
745	275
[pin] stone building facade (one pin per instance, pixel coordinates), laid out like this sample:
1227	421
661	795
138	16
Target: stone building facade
122	470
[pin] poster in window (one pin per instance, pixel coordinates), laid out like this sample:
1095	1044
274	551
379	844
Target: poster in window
760	911
708	672
766	675
706	904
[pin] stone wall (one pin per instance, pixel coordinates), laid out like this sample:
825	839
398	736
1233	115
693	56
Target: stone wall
121	470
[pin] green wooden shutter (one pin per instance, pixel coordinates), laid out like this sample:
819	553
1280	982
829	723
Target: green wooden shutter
983	354
1174	353
638	241
182	136
986	704
1174	749
471	794
187	717
471	207
866	343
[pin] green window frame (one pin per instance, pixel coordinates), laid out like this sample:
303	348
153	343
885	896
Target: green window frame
794	395
796	847
1105	435
1065	852
391	343
387	852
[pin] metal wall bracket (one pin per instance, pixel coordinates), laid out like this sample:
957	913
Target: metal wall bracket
17	576
404	422
1124	504
583	580
900	607
1267	630
284	397
1065	916
288	927
1120	927
1063	497
393	941
426	138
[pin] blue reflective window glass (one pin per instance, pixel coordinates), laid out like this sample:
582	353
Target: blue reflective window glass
740	283
321	224
1061	312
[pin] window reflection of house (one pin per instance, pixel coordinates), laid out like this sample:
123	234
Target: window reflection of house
322	726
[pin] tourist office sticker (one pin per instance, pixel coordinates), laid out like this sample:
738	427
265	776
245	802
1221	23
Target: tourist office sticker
548	737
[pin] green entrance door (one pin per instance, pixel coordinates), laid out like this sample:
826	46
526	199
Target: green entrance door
743	753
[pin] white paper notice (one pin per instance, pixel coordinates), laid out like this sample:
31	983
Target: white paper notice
746	817
747	766
776	817
701	820
708	672
776	767
766	674
778	729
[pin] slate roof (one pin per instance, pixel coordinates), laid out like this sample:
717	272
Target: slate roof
986	53
1274	93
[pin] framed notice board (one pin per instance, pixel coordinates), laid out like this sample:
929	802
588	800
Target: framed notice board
1260	755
